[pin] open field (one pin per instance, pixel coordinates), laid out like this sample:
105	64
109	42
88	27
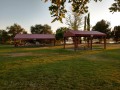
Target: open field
53	68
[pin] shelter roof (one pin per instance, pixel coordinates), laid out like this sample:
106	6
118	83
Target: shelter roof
71	33
34	36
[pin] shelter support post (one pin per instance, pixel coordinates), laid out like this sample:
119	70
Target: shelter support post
104	42
54	42
15	43
88	42
3	40
75	43
80	41
91	39
64	42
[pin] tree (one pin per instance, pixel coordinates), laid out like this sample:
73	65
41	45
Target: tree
47	29
15	29
36	29
60	33
88	22
85	26
103	26
3	36
116	33
115	6
41	29
74	21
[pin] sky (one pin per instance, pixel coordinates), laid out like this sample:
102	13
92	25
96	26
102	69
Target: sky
28	13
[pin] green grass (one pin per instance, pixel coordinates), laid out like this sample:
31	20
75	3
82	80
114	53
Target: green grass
53	68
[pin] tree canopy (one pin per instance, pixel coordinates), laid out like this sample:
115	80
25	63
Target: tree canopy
58	9
103	26
15	29
115	6
60	32
116	33
3	36
41	29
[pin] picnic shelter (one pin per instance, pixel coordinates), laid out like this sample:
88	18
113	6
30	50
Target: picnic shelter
42	37
90	35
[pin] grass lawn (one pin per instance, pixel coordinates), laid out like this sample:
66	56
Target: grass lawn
53	68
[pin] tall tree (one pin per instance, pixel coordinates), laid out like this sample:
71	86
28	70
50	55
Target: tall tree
85	26
15	29
74	21
103	26
88	22
41	29
116	33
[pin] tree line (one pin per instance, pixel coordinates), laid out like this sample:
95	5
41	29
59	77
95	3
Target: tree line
7	36
101	26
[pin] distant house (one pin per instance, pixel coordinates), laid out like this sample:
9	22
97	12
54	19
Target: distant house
28	37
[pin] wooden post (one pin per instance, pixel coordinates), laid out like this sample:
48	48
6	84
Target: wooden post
75	43
64	42
2	40
88	42
54	42
80	41
104	42
91	38
77	40
15	43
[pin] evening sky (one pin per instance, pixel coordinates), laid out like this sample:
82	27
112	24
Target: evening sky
30	12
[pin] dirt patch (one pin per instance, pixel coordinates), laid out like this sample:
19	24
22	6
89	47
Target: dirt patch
22	54
26	54
113	46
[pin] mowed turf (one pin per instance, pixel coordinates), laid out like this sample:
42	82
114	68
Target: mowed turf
53	68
